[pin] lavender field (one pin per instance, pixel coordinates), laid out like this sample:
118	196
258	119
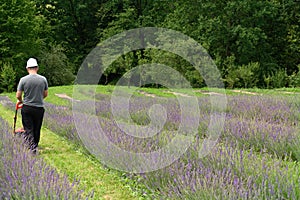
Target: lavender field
256	157
25	176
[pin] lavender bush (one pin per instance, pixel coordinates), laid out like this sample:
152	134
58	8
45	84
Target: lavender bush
25	176
268	123
227	173
253	160
60	120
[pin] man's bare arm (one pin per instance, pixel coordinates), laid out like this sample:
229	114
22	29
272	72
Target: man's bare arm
19	95
45	93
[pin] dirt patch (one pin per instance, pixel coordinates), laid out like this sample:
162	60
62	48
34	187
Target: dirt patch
291	93
245	92
178	94
65	96
146	94
210	93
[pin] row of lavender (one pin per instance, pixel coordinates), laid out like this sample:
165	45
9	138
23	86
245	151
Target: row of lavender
263	123
25	176
266	123
256	157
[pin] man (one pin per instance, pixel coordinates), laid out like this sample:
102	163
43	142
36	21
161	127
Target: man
35	88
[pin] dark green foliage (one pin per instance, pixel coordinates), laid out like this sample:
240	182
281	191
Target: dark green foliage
56	67
20	32
264	34
242	76
294	79
277	80
250	31
7	78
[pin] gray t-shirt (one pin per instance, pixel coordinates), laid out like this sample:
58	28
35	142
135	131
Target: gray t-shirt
33	86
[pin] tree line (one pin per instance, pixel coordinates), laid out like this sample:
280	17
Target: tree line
253	43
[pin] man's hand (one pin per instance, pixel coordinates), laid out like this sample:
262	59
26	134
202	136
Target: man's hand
19	104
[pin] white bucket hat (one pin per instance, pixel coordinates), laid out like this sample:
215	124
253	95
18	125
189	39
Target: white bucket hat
31	63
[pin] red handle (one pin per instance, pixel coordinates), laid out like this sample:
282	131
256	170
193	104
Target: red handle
19	105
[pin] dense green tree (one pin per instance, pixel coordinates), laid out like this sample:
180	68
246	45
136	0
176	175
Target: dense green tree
250	31
237	34
20	33
74	24
291	54
56	66
130	15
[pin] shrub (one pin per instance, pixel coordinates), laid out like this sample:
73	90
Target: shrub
7	78
242	76
294	79
56	67
277	80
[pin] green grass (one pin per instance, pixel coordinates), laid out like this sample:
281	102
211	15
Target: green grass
52	97
88	90
277	91
70	160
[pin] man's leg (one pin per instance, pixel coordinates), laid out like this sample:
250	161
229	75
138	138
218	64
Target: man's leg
27	121
38	120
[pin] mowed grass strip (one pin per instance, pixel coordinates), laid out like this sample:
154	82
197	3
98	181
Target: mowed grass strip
68	159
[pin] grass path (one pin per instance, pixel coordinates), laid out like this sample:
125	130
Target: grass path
64	156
